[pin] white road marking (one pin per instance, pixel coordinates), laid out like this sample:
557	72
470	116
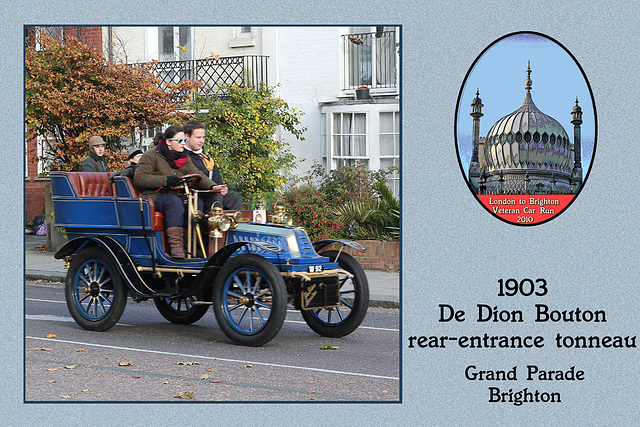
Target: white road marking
359	327
45	300
52	318
167	353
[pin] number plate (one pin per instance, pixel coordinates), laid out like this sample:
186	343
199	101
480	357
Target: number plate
315	268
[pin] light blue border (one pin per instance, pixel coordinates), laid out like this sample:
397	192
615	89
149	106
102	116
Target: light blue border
453	252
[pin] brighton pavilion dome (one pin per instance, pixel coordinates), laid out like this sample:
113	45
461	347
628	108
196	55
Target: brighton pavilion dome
525	152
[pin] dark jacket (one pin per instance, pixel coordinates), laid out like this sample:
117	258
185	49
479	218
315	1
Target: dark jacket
153	169
93	163
129	171
215	172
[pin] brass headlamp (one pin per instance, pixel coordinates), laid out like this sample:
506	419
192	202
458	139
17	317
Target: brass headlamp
280	215
218	222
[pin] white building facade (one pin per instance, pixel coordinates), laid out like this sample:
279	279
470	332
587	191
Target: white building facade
315	69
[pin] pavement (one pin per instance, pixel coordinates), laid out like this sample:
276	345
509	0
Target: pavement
384	287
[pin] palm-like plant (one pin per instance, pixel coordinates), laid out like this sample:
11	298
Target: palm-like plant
377	219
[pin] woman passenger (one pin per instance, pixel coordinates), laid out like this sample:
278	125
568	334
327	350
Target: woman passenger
162	167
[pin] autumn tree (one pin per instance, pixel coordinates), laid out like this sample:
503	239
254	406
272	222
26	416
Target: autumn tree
241	127
72	93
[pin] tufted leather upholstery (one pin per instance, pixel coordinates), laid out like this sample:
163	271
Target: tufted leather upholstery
91	184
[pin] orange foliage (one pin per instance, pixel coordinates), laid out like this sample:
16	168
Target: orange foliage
72	93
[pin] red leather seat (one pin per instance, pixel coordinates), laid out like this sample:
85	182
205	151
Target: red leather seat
91	184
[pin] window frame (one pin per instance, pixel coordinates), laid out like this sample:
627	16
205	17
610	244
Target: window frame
349	87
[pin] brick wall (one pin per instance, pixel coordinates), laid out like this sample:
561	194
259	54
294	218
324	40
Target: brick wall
379	256
34	186
34	197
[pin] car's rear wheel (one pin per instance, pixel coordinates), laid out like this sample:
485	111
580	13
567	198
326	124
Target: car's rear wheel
182	311
94	291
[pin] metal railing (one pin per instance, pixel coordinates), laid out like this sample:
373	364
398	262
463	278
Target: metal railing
370	60
247	70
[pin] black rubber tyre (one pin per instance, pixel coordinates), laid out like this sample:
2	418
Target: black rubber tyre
249	300
181	311
354	298
95	293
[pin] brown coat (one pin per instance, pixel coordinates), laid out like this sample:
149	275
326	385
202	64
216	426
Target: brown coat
153	169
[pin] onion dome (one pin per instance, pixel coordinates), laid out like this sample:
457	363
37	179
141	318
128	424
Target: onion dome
528	139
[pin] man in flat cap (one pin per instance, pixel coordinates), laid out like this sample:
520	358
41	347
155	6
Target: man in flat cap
95	162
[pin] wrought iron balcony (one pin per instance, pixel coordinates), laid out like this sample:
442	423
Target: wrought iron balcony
370	60
247	70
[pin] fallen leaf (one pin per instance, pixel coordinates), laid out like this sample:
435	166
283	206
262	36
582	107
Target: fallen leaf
51	382
41	349
312	391
51	336
165	382
385	391
185	395
210	370
205	377
85	390
188	363
328	347
80	350
71	366
247	366
66	397
137	376
124	364
215	381
52	369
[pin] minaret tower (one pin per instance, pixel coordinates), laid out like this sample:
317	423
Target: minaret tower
577	150
474	165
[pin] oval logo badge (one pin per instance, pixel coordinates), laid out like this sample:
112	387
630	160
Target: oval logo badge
525	128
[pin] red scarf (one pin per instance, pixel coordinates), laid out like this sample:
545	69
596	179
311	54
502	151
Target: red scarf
176	159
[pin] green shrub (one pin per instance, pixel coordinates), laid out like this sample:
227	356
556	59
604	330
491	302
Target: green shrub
310	209
347	203
241	129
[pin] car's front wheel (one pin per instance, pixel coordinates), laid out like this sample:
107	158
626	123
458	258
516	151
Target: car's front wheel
249	300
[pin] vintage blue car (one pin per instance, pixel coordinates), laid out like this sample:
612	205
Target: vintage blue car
249	271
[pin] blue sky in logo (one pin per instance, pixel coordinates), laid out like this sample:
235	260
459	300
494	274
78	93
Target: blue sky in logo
500	74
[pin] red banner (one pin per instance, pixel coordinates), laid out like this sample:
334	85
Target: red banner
526	209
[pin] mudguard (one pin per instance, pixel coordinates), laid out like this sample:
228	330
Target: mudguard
317	246
129	273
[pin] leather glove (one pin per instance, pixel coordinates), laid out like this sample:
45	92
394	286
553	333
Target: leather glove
173	181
